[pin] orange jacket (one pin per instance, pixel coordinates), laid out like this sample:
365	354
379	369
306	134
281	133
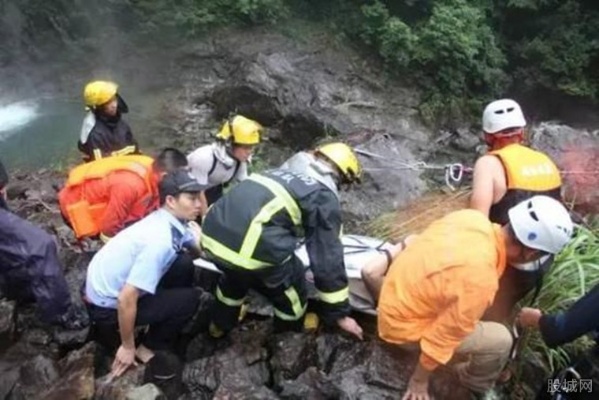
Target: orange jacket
105	199
439	287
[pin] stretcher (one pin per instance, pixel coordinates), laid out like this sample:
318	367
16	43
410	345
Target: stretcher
358	251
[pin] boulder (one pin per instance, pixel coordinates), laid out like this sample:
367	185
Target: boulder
108	388
76	376
292	353
7	320
146	392
576	152
241	365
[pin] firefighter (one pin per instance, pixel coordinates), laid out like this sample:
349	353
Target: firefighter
225	161
104	133
252	232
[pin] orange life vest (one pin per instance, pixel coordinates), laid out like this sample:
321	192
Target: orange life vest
528	172
86	218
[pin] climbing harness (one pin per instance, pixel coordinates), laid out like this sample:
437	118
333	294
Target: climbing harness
454	173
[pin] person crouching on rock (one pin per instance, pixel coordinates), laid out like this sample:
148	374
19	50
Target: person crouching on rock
143	277
30	268
102	197
438	288
251	234
104	133
225	161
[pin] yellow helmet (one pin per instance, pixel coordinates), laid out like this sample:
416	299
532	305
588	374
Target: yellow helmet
99	92
344	158
241	130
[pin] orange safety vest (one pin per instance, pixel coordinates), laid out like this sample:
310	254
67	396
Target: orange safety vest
86	218
528	172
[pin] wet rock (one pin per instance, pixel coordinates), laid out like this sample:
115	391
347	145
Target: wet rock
466	140
70	339
243	392
26	348
338	353
576	152
37	337
389	181
117	389
9	375
389	367
292	354
28	319
145	392
7	320
76	376
35	377
311	384
242	364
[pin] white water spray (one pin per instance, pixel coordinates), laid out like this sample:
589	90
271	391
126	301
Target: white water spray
16	115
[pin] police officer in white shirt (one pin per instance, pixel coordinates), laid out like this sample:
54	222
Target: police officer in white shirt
140	277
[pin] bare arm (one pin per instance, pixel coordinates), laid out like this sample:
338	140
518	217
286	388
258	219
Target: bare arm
127	311
487	171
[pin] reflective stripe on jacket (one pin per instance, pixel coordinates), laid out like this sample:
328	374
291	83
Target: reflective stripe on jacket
261	221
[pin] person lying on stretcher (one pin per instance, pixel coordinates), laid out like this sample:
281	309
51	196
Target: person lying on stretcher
366	262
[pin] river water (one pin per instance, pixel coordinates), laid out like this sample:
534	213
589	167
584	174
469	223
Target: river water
43	133
39	133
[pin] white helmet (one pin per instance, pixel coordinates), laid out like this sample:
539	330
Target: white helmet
541	223
502	114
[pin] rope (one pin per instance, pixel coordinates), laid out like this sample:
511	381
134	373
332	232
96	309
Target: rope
454	173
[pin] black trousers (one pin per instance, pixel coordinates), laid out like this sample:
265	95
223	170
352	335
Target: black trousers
166	311
284	286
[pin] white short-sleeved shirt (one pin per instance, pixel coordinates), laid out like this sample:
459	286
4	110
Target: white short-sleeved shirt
138	255
203	160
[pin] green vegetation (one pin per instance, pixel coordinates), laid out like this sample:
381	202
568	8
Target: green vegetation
461	53
575	272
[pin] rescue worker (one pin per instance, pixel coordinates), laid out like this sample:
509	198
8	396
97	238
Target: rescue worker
562	327
102	197
30	268
252	232
225	161
508	174
104	133
141	277
439	286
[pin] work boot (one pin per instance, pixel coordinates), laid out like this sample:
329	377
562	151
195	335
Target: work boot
311	322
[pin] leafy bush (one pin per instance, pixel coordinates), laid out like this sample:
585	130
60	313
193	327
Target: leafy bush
193	17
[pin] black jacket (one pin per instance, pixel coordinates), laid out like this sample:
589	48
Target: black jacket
295	208
109	136
581	318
